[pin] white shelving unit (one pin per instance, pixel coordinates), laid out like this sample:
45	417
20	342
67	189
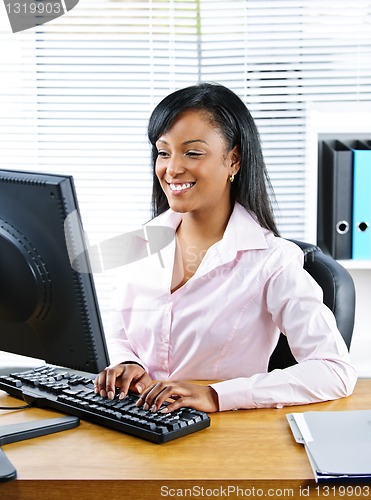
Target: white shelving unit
344	118
355	264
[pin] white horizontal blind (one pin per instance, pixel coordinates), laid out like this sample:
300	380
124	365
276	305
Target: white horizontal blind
18	100
92	79
281	55
100	72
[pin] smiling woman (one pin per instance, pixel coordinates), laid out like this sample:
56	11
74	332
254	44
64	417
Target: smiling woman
227	284
98	72
218	122
194	166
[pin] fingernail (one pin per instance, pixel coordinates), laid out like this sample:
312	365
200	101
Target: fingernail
153	408
139	389
121	395
111	395
145	406
103	393
164	410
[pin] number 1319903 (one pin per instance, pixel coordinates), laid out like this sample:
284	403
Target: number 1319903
347	491
34	8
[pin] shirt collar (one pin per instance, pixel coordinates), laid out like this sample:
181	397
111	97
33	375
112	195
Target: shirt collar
243	232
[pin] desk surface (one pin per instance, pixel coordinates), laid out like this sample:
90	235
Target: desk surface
245	448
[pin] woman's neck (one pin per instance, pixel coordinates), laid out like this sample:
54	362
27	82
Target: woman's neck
195	235
208	227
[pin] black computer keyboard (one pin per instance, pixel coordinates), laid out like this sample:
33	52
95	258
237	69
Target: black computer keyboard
73	393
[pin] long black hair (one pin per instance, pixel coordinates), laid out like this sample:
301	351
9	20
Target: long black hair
228	112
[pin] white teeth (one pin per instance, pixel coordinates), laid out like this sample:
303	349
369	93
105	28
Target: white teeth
180	187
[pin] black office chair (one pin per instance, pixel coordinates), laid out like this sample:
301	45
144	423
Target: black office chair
338	294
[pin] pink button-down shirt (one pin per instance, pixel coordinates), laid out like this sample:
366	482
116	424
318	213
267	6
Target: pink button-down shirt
224	323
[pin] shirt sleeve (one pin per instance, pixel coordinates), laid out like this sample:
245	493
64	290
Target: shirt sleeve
118	344
119	347
324	370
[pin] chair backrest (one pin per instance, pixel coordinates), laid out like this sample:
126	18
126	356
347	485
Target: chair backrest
338	294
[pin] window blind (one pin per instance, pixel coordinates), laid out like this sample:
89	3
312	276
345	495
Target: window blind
94	77
76	93
280	56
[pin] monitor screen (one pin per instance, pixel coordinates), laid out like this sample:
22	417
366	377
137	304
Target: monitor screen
48	308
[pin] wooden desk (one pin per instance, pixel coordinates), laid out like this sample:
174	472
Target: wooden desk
252	450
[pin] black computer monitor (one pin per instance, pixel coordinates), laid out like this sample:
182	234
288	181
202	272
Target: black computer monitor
48	309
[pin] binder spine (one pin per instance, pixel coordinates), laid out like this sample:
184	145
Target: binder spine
337	181
361	244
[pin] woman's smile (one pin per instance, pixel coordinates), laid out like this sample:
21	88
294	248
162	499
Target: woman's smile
178	188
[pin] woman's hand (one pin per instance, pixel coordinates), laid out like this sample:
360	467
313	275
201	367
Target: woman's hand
125	376
184	394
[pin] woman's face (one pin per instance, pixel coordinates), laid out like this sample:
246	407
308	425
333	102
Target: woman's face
193	164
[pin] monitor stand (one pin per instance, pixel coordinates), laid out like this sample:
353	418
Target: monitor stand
27	430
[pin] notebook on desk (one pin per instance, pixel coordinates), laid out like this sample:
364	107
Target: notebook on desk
338	443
